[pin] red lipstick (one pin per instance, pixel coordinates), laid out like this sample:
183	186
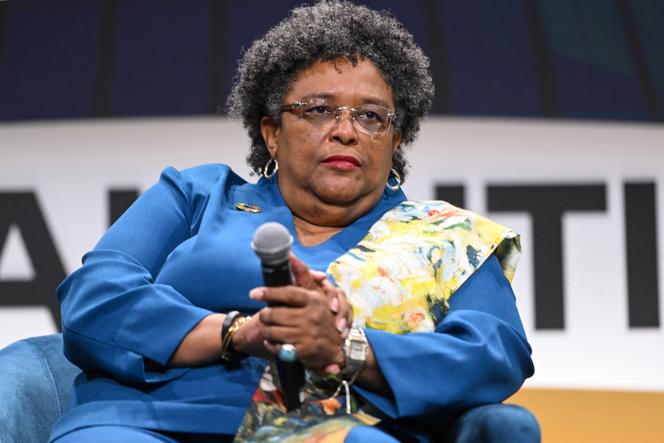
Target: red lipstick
346	162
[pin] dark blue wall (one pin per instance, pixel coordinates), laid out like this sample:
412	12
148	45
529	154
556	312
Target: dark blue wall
597	59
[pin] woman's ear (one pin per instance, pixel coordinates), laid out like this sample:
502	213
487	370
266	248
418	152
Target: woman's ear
270	133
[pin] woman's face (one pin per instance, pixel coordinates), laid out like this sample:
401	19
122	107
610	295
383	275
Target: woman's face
340	162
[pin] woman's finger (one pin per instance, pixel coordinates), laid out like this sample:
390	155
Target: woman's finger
345	313
339	305
318	276
333	368
292	296
281	316
282	334
326	283
331	293
301	273
334	303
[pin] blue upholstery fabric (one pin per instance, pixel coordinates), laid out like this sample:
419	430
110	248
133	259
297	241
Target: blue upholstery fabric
497	423
36	379
114	434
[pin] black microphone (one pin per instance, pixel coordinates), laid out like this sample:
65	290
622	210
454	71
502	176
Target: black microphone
272	243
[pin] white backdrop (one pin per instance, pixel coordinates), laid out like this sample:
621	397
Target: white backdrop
70	166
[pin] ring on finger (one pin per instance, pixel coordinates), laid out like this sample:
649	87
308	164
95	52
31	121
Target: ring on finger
287	353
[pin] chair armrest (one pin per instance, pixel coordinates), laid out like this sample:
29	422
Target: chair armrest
495	423
34	388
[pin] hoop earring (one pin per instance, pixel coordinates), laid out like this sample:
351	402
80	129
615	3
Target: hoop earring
269	175
397	178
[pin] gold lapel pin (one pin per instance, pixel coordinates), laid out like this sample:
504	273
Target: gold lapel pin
248	208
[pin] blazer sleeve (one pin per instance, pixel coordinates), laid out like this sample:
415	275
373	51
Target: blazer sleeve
114	316
478	353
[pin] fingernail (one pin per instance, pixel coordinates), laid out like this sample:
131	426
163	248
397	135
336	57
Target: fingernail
257	293
334	304
341	324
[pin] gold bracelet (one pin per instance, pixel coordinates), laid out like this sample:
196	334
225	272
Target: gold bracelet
227	352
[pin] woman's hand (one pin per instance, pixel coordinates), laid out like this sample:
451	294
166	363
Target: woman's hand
314	316
317	280
302	318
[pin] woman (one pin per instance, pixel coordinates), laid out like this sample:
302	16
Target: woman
329	97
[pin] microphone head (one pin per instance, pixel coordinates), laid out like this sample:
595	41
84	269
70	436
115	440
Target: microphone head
272	243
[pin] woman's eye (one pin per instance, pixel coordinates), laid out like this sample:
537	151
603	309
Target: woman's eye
371	115
320	109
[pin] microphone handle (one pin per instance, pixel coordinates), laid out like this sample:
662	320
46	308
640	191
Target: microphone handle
291	375
278	274
291	379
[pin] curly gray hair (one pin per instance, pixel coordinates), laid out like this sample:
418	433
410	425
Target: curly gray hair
326	31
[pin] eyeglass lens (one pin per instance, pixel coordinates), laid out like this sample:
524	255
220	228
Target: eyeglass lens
371	117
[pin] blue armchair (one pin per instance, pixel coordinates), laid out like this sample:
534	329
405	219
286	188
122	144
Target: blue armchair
35	379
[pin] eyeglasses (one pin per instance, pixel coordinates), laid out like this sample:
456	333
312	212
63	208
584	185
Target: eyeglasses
372	118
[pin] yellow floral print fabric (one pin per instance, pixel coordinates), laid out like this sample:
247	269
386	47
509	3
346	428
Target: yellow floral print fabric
401	275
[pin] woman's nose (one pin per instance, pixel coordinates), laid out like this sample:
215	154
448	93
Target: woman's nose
344	128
